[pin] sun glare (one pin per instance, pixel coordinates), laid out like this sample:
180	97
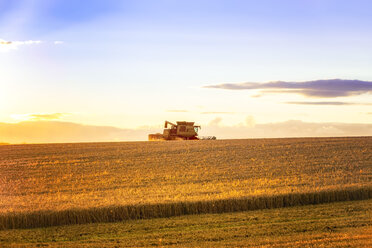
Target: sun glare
37	116
21	117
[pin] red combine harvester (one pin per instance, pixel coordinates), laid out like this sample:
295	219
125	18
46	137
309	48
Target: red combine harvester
183	130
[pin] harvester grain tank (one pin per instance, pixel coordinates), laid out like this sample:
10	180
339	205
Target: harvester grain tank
183	130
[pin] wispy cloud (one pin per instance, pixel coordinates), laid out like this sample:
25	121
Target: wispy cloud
291	128
177	111
250	121
38	116
54	116
216	112
328	103
14	45
215	122
318	88
6	46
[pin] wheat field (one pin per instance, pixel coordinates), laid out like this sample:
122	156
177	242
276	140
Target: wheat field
92	182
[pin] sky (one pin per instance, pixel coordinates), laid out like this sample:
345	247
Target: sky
225	64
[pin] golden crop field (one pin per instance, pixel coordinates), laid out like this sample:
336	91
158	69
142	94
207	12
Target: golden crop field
61	177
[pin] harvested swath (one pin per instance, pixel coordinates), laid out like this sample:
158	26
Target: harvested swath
341	224
147	211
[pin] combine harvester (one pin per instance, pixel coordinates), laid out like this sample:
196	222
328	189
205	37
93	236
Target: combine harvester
183	130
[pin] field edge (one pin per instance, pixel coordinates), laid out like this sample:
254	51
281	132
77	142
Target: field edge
149	211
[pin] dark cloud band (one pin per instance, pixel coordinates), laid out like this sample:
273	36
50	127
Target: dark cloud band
328	103
318	88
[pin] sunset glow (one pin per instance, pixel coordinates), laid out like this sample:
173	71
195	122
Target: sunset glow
130	65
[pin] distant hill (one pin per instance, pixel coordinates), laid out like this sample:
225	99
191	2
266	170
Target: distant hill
65	132
68	132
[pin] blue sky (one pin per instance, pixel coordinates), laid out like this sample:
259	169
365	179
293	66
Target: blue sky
127	63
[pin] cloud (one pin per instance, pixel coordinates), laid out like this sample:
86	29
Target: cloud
328	103
215	122
291	128
177	111
207	113
319	88
54	116
58	42
38	116
250	121
14	45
